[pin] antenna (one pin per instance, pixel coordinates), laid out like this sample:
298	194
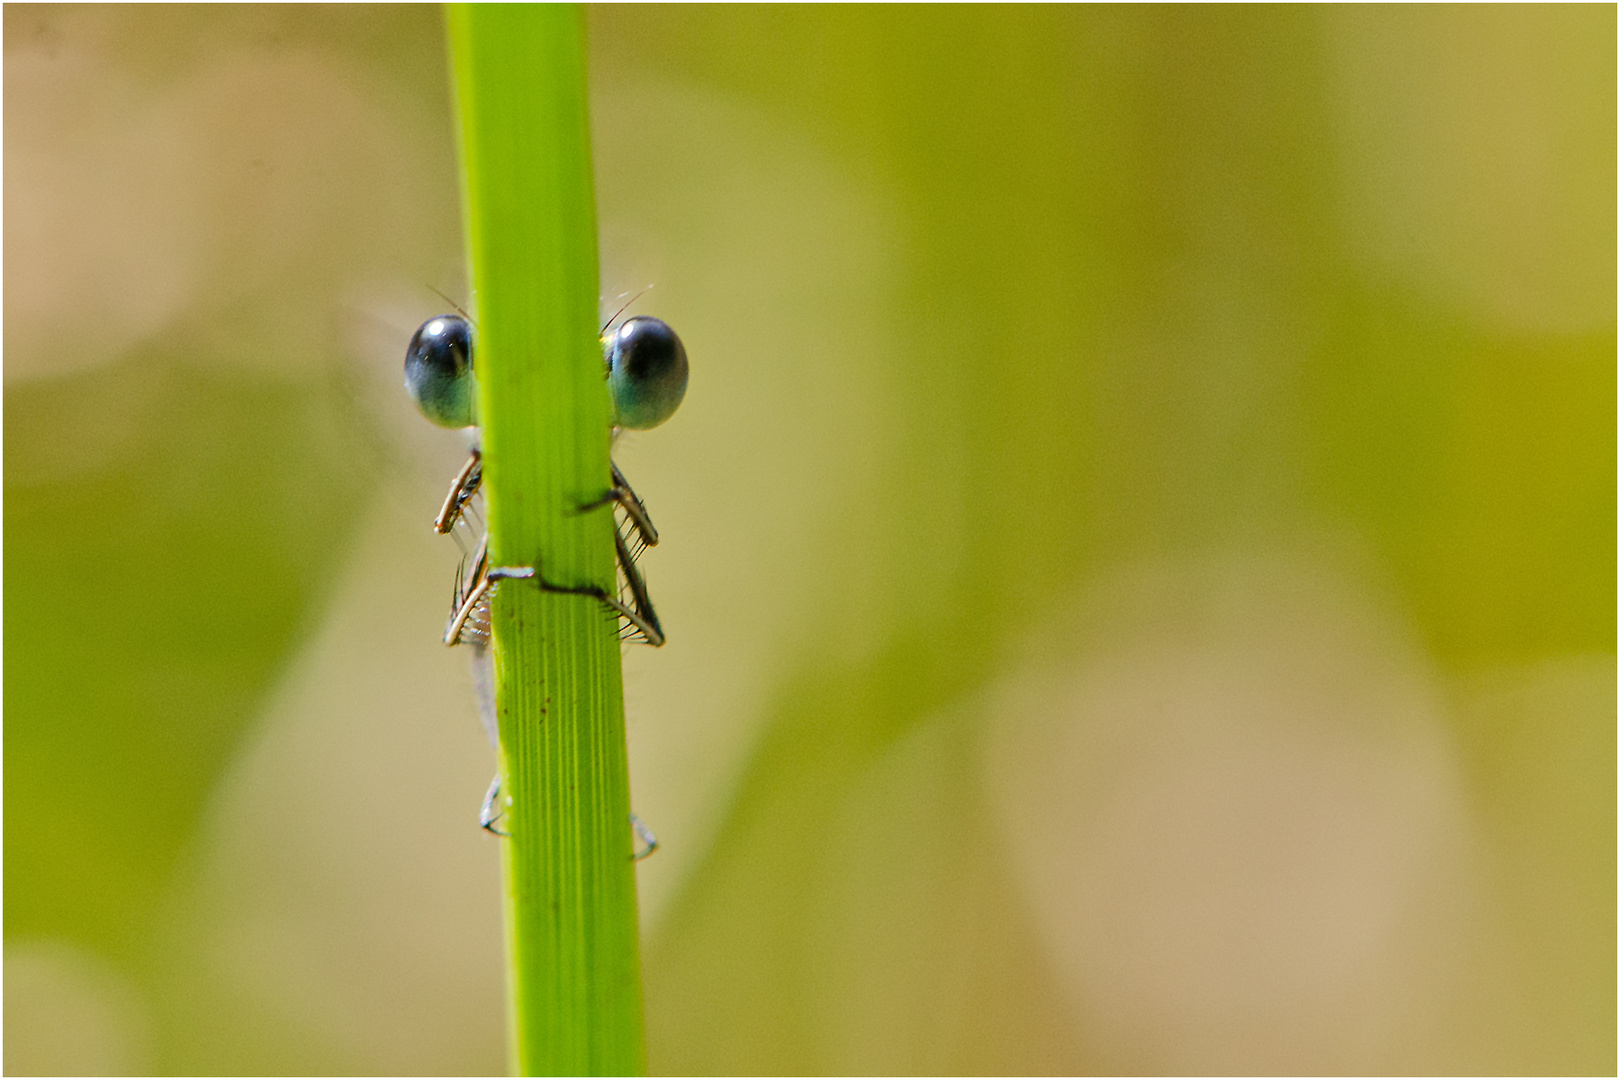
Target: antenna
622	310
459	309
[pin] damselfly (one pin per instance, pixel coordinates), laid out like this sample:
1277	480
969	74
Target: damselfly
646	370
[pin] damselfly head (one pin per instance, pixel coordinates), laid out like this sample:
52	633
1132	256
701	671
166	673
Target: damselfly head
646	370
439	372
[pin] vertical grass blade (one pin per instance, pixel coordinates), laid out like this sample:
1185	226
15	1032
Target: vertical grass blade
574	972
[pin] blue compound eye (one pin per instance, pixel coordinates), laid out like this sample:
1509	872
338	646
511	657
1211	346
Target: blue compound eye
438	371
646	372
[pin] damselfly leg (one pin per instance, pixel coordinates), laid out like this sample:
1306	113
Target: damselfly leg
491	811
462	489
469	621
649	842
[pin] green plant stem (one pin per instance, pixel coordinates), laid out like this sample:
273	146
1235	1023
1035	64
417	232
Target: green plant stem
574	970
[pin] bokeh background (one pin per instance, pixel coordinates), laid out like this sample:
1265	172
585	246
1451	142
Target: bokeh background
1139	561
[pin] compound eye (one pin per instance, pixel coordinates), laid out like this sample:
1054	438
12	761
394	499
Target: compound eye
646	372
438	371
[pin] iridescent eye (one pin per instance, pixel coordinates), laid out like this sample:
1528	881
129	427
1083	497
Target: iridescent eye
438	371
646	372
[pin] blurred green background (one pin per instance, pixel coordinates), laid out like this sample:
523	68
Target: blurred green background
1139	560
